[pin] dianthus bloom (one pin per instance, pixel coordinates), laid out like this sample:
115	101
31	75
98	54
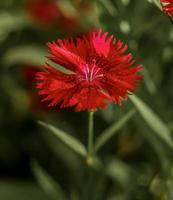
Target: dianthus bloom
100	69
168	7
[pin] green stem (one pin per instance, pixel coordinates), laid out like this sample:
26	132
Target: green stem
90	133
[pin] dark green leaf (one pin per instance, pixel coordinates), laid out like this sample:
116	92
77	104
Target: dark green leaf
67	139
21	190
25	54
154	122
112	130
52	188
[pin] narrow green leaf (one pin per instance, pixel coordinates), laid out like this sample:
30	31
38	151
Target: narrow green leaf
149	82
109	6
11	21
118	171
112	130
52	188
67	139
25	54
20	190
154	122
157	3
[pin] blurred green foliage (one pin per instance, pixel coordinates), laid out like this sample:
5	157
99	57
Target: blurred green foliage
137	163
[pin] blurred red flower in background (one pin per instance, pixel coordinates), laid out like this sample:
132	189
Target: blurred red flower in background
47	12
100	70
168	7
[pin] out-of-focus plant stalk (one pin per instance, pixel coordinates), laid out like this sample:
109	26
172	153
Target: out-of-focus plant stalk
90	136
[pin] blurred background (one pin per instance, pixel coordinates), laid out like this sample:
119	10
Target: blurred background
137	163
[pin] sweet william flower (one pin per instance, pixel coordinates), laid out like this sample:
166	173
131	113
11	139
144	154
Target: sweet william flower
167	6
101	71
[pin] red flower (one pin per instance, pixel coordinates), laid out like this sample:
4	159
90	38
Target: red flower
168	7
44	11
47	12
100	71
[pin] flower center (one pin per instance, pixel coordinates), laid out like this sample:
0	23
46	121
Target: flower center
90	72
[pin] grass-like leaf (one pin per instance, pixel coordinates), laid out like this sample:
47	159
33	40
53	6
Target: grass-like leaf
20	190
157	3
151	87
67	139
154	122
118	171
46	182
112	130
24	54
109	6
11	21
